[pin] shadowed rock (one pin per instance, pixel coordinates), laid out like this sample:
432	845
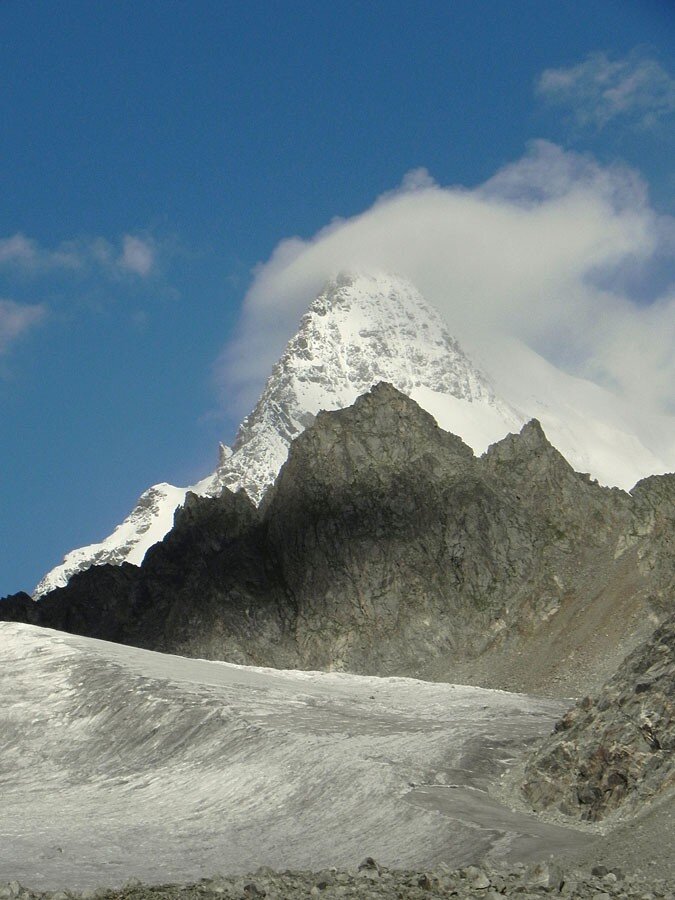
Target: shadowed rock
386	547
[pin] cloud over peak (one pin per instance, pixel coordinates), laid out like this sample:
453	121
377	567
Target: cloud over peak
527	255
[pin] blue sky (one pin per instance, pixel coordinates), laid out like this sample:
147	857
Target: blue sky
154	154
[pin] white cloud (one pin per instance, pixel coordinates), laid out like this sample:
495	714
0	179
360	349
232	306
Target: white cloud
523	255
17	250
16	319
133	255
598	90
138	256
417	179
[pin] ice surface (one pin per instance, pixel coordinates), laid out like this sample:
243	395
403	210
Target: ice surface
117	762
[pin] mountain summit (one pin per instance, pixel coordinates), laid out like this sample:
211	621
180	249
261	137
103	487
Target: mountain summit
361	329
369	328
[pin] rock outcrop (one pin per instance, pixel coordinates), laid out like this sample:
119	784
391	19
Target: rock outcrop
386	547
617	750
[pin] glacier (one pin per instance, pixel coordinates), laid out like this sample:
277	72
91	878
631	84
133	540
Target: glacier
121	763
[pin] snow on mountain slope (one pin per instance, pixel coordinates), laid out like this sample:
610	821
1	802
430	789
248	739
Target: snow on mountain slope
145	525
595	430
359	331
363	329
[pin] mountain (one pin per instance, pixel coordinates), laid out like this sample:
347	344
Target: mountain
364	329
386	547
616	441
360	330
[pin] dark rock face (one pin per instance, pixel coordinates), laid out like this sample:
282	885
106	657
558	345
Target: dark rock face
206	590
385	547
389	540
618	749
19	608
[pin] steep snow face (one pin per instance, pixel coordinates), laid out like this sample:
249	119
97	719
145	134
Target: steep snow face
359	331
362	330
146	524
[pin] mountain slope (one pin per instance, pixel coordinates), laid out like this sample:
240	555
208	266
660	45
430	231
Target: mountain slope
369	328
616	750
595	430
359	331
387	547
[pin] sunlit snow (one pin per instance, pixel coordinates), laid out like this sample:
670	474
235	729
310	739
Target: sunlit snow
364	329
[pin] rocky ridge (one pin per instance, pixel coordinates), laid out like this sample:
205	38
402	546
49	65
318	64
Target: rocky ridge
367	328
360	330
386	547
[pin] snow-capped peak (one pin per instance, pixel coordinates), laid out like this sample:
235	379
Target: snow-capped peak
367	328
360	330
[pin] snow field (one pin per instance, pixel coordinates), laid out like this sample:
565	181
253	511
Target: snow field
118	762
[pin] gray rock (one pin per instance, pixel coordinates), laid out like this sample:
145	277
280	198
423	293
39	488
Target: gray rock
508	881
616	750
386	547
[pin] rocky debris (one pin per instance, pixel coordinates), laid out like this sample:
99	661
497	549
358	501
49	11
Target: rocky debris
371	880
616	750
385	547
